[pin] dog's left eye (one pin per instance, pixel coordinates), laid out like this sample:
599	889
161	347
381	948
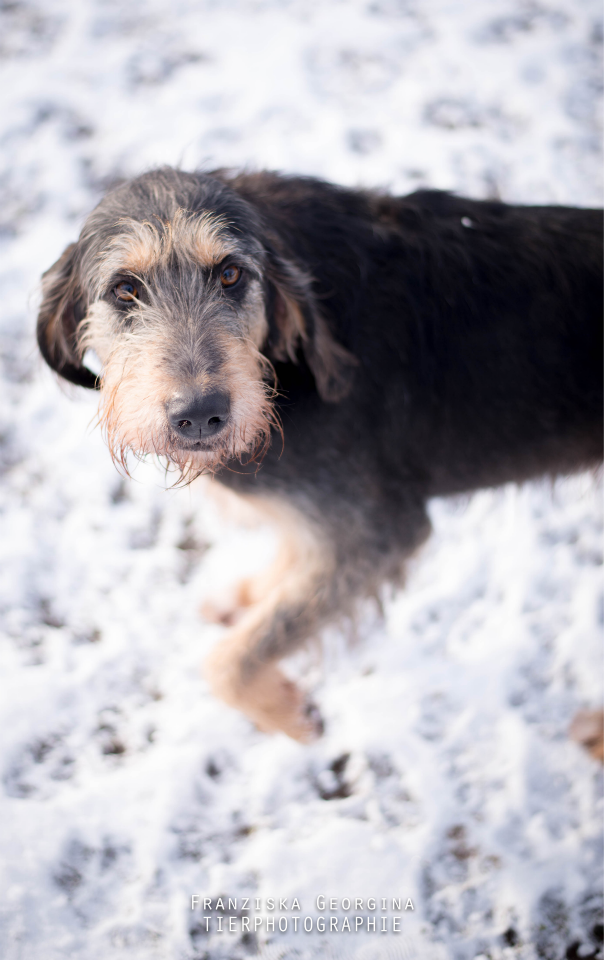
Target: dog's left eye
230	275
125	291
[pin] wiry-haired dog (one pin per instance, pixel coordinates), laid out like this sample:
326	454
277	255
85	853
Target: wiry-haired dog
338	356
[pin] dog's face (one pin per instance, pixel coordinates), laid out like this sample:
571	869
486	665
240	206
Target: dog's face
177	286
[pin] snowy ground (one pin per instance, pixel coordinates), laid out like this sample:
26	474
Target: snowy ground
446	774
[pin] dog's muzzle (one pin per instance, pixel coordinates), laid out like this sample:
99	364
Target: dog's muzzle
198	416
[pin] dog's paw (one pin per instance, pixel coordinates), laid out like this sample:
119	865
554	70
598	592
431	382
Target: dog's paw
276	705
271	701
587	729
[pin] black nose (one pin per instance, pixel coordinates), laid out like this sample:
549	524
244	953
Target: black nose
199	415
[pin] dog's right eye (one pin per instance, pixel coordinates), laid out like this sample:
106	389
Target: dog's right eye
230	275
125	291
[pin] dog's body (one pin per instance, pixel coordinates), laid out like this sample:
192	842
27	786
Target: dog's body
339	357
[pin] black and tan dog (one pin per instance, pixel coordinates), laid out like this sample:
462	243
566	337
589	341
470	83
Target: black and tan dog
338	357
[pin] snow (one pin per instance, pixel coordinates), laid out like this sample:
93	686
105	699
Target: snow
446	774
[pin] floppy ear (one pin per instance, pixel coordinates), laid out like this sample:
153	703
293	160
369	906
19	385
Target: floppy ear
61	310
296	322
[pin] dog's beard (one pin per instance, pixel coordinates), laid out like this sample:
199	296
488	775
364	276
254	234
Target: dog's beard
133	416
243	439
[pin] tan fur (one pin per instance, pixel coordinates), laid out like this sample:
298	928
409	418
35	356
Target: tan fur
143	246
237	670
257	322
291	326
587	729
331	363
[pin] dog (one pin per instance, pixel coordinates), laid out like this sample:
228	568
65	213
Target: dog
336	357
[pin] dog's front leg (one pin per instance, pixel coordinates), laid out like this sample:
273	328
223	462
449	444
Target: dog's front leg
292	601
328	562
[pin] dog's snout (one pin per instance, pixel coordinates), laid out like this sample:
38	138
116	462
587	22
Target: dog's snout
199	415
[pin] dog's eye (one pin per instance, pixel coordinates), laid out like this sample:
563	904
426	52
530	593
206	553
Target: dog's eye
125	291
230	275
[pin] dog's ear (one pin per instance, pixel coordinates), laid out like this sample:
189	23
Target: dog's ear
295	323
61	310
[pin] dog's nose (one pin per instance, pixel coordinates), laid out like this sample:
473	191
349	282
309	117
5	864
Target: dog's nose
199	415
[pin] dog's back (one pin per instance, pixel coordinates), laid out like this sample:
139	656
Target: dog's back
506	339
477	327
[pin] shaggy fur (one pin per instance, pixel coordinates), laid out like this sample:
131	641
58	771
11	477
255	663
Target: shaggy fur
336	357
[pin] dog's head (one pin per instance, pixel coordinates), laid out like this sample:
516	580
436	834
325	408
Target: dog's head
186	297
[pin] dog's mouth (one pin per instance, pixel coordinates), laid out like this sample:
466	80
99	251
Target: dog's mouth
199	446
